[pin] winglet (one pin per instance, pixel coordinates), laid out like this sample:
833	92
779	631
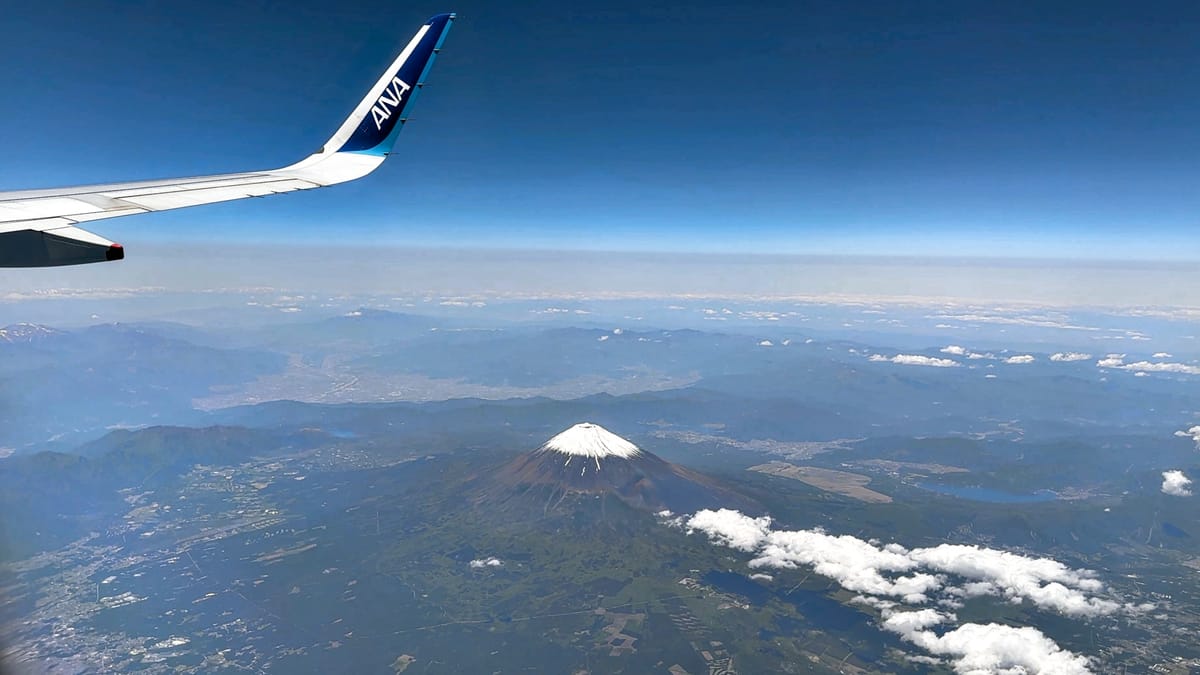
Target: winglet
364	140
373	126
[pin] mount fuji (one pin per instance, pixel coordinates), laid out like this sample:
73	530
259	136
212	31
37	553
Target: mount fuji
588	459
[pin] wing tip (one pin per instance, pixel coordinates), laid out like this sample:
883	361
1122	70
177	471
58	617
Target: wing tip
114	252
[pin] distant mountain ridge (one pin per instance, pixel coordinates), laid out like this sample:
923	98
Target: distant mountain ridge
26	332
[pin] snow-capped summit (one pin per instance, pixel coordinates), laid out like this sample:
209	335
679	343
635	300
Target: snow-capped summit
591	440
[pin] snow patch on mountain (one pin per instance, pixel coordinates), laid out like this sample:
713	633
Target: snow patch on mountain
591	440
26	332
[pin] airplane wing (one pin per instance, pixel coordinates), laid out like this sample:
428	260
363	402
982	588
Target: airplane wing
41	228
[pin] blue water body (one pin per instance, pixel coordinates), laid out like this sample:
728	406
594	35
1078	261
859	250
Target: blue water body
820	610
1173	531
738	584
982	494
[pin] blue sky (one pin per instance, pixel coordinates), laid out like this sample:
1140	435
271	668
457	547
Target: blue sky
928	128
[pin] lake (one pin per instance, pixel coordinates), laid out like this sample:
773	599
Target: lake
981	494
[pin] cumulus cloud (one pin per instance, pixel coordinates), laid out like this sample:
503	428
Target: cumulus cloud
1162	367
480	563
1020	359
892	578
1067	357
1044	582
957	350
856	564
1176	484
1162	355
915	360
730	528
913	576
1117	361
766	343
1193	433
977	649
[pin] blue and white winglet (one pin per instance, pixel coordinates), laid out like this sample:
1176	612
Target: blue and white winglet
41	228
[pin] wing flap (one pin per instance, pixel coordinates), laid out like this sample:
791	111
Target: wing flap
195	197
43	208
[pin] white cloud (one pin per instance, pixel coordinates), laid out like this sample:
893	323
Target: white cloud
983	649
906	623
1067	357
889	576
1162	355
956	350
856	564
1044	582
1193	433
1176	484
766	343
1161	367
914	576
1020	359
1039	321
915	360
480	563
730	528
1118	361
759	576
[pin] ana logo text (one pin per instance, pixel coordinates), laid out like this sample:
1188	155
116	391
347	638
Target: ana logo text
388	101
